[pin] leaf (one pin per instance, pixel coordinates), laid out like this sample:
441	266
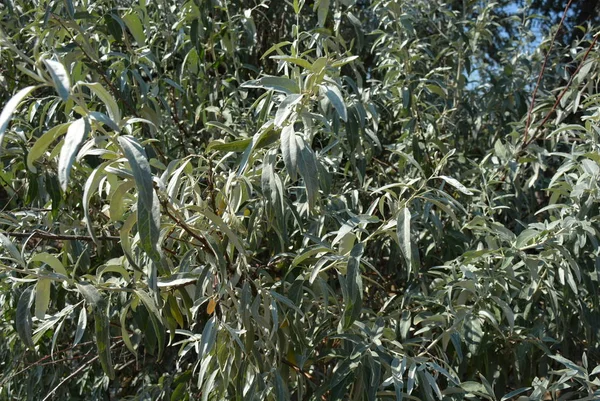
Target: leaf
12	250
90	294
88	192
135	27
294	60
76	134
60	76
23	319
405	240
10	107
209	336
51	261
512	394
337	100
278	84
111	104
43	142
322	11
286	107
81	325
148	207
354	284
42	297
102	326
307	165
456	184
289	149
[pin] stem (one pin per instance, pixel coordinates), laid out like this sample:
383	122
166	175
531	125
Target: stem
541	75
59	237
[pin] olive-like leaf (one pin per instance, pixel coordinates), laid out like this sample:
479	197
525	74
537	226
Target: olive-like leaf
23	319
337	100
289	149
42	297
10	107
60	76
148	207
76	134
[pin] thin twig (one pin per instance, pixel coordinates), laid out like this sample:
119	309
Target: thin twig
541	75
559	98
59	237
187	228
75	372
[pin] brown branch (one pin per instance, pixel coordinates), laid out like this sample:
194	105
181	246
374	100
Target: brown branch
59	237
183	225
559	98
541	75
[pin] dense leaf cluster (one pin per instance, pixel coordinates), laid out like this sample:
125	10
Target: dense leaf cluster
303	200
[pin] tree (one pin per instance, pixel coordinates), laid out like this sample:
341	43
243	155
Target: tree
305	201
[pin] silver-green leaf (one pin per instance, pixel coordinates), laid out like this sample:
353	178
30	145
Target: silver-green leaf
76	134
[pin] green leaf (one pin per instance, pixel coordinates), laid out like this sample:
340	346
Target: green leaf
294	60
90	294
148	207
111	104
278	84
23	319
51	261
43	142
307	165
12	250
136	28
337	100
42	297
81	326
76	134
512	394
289	149
456	184
354	284
102	326
322	11
10	107
286	107
90	186
403	232
60	76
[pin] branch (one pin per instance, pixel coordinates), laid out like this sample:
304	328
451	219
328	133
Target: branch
559	98
75	372
539	80
59	237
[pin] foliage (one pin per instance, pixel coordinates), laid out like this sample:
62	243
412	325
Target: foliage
296	200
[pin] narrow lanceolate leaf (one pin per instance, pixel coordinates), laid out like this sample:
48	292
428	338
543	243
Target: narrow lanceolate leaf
307	165
278	84
405	241
9	109
286	108
148	208
76	134
354	286
337	100
88	191
12	250
111	104
456	184
61	79
289	149
23	319
42	297
43	142
81	325
102	326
